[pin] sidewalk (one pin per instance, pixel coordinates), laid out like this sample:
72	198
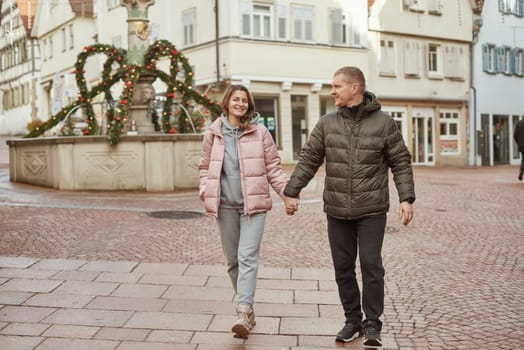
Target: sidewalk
98	271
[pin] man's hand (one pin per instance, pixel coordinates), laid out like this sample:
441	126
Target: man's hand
406	212
291	205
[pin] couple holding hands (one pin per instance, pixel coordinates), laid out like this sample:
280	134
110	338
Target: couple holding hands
359	144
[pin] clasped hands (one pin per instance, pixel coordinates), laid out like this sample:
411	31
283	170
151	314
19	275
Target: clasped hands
291	205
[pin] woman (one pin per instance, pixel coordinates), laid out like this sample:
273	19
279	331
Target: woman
239	161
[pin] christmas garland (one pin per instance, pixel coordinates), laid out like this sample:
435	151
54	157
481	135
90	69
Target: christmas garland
179	83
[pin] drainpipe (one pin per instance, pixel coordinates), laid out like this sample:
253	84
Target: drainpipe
217	51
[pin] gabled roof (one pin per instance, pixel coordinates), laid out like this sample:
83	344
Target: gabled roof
82	7
27	11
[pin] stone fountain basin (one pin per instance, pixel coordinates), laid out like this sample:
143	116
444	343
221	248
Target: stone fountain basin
148	162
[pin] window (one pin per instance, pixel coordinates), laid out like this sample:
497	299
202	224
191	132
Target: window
281	13
302	19
415	5
518	61
44	50
387	58
489	62
411	58
449	132
113	3
50	47
189	27
508	61
454	62
262	21
434	61
71	37
435	7
337	32
257	20
64	42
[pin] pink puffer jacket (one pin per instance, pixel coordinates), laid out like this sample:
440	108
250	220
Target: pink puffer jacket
259	167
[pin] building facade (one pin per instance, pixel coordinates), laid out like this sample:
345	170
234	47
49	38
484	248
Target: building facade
420	70
19	66
498	80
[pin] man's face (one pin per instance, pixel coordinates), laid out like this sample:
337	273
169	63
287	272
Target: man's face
343	91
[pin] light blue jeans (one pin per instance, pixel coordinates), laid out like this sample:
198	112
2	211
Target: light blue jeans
241	236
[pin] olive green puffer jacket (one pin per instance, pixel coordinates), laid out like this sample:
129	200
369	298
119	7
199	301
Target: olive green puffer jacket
359	144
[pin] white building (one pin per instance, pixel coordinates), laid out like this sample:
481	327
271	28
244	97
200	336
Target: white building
420	70
63	29
19	66
498	80
284	51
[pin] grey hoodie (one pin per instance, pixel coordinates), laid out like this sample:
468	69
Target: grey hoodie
231	187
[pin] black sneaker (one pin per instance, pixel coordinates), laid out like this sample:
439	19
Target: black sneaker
520	176
351	331
372	335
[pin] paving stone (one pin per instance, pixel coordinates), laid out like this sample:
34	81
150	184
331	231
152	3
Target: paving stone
29	285
286	310
327	285
174	280
109	266
57	299
199	293
266	272
119	277
167	336
215	338
155	346
271	340
107	318
131	304
310	326
205	270
70	331
201	307
16	262
159	320
12	313
3	280
109	333
12	272
77	344
58	264
287	284
14	298
139	291
24	329
317	297
77	275
87	288
312	274
158	268
273	296
220	282
10	342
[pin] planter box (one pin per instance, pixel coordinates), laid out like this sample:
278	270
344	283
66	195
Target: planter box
162	162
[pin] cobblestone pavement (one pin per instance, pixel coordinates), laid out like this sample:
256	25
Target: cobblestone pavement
97	270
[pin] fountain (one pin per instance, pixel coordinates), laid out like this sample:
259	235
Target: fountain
131	155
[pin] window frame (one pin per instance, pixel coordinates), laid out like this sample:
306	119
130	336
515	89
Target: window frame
188	26
447	136
304	15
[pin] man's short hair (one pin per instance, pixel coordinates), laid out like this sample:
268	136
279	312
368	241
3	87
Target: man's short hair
352	75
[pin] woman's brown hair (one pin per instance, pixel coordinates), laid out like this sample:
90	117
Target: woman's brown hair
245	121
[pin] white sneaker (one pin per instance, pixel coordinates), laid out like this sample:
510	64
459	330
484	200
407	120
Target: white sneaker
245	321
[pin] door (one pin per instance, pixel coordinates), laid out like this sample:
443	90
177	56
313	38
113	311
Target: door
501	139
423	147
299	125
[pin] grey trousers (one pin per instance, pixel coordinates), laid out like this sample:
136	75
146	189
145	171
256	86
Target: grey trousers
241	236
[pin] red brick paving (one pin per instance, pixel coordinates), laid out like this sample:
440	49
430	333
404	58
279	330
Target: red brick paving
454	277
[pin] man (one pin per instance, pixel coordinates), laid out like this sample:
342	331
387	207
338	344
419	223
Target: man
359	143
519	139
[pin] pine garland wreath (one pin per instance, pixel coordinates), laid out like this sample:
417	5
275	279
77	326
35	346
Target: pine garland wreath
179	84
